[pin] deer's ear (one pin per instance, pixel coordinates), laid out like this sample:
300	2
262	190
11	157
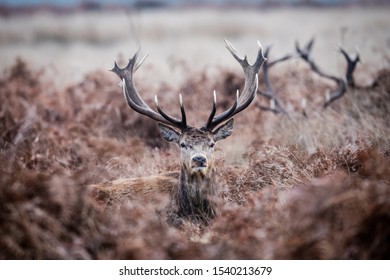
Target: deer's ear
224	131
168	134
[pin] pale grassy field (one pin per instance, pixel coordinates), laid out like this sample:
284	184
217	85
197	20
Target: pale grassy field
69	46
185	43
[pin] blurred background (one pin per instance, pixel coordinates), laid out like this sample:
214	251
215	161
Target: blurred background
71	38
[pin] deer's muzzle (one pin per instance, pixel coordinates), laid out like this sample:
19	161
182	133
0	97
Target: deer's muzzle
198	162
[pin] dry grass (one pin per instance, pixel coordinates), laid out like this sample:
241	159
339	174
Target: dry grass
314	188
70	46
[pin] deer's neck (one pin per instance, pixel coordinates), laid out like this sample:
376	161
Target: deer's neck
196	197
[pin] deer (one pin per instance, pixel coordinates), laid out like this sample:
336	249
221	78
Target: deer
193	197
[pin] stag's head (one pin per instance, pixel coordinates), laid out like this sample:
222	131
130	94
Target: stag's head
196	144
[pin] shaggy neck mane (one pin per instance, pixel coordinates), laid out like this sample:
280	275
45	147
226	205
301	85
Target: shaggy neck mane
196	196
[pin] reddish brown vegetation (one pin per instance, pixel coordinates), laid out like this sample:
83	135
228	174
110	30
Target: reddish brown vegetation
282	201
338	216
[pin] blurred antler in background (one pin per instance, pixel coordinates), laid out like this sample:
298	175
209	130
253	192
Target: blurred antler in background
342	83
351	65
275	104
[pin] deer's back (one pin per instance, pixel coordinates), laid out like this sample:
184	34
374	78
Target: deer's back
141	188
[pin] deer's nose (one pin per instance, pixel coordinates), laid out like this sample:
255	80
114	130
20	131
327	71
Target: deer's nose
199	161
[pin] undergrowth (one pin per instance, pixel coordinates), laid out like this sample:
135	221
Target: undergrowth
305	188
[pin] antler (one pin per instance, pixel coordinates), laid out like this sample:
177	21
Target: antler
249	92
305	54
135	101
275	105
351	65
242	101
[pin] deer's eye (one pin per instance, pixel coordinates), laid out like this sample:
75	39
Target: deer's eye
183	145
212	145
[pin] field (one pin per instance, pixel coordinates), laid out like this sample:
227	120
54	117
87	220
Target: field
291	186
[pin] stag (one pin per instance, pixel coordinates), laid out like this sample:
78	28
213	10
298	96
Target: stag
194	197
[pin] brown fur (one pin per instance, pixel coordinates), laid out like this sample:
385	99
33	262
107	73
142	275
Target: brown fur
144	188
192	193
192	198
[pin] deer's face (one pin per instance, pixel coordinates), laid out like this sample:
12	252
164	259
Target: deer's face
197	146
197	151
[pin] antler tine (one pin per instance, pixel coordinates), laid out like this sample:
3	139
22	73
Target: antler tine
305	54
275	104
141	61
306	51
268	87
182	124
341	89
351	65
183	112
225	115
280	59
249	91
272	62
127	73
135	101
244	62
213	109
